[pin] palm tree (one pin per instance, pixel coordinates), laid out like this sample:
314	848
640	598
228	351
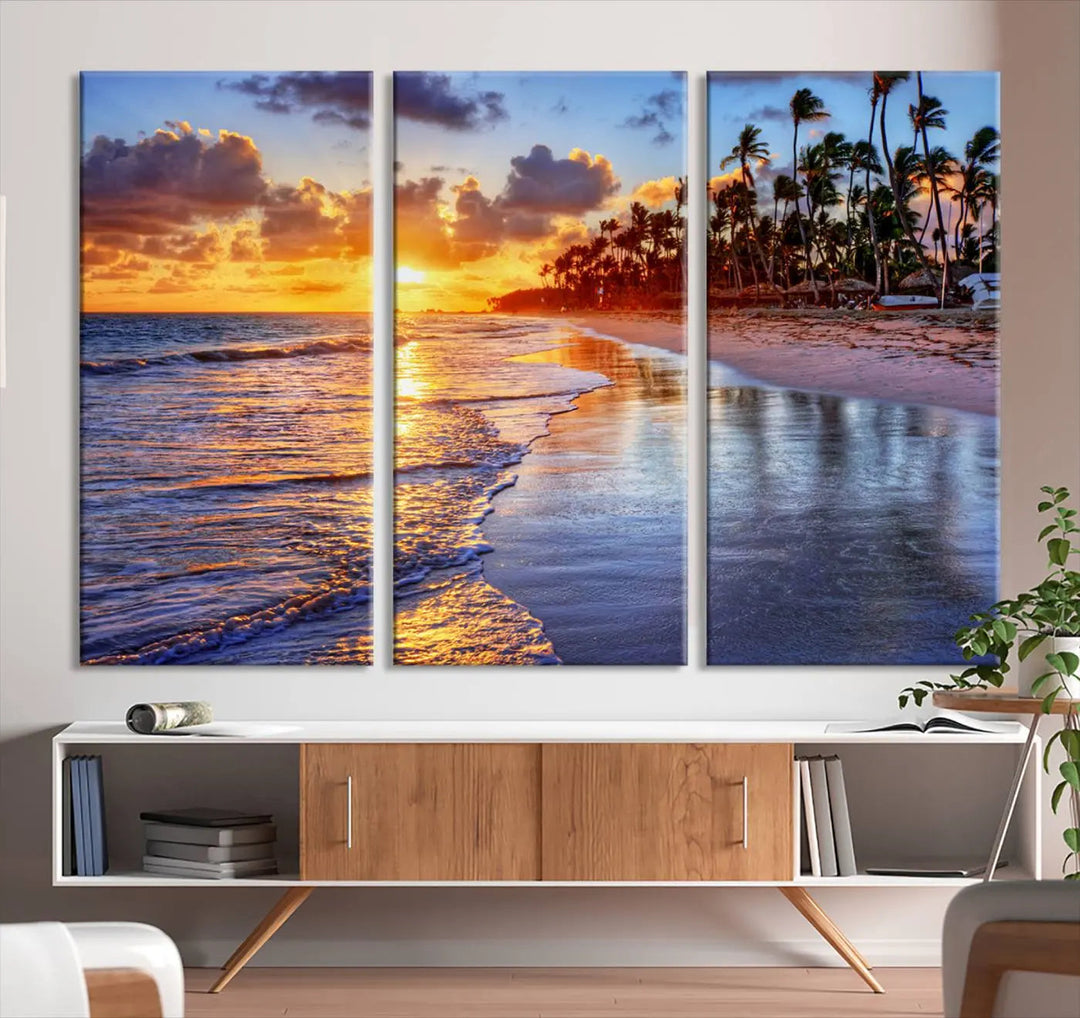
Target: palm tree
886	81
930	113
749	146
980	152
863	157
805	107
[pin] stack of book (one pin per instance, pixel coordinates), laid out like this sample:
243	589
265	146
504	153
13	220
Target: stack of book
215	844
827	846
85	848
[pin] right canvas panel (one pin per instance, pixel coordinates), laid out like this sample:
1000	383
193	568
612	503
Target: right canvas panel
853	289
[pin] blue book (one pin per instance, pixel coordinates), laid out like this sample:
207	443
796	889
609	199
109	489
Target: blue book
97	824
67	866
104	825
81	814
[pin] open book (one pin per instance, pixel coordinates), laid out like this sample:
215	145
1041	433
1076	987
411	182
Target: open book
942	722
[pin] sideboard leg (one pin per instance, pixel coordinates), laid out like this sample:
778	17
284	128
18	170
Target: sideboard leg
816	916
285	906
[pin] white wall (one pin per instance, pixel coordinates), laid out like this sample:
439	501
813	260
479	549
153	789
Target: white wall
42	47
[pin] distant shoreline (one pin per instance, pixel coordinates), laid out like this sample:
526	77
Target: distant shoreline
947	359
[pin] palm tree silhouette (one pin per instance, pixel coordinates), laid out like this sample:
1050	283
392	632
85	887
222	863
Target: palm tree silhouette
805	107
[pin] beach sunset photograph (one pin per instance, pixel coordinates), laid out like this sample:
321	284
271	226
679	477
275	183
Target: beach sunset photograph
853	295
540	368
226	356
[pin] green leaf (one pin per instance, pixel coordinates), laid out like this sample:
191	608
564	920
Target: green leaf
1064	663
1069	662
1049	745
1071	773
903	700
1048	701
1055	796
1058	549
1048	489
1060	495
1072	838
1043	506
1072	876
1031	643
1047	530
1070	739
1038	683
920	695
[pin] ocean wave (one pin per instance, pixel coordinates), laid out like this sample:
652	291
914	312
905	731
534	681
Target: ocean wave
336	596
310	348
258	483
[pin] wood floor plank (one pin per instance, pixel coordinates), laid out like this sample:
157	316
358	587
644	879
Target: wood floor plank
564	993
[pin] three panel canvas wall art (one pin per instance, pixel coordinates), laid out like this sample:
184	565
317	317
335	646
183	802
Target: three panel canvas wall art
540	400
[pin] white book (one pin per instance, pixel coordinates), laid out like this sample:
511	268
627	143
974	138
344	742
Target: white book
936	722
823	817
180	870
232	869
189	834
808	813
210	853
841	817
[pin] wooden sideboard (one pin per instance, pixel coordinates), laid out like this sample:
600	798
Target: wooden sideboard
568	812
541	804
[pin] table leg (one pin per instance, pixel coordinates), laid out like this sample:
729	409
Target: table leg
1010	802
817	917
286	905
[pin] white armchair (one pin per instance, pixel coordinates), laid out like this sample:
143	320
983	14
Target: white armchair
1012	950
78	970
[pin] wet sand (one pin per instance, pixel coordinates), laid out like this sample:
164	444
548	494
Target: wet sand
942	358
592	537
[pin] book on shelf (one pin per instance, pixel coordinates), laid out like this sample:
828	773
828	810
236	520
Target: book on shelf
80	812
99	854
841	818
934	866
825	831
201	816
246	834
211	870
823	817
808	817
210	853
942	722
67	859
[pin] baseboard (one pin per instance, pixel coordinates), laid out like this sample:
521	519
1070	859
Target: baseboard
565	953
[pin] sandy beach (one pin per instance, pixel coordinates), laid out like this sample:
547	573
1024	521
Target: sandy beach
947	359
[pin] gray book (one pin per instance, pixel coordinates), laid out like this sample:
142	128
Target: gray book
210	853
823	817
247	834
218	870
841	818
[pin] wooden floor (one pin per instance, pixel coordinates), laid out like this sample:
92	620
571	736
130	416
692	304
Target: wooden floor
564	993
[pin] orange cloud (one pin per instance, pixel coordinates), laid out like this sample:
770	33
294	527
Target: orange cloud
655	193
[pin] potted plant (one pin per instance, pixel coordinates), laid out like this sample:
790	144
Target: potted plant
1046	618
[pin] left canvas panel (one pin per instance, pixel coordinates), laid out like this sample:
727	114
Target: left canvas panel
226	368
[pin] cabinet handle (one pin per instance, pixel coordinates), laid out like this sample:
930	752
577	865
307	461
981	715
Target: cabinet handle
745	812
348	812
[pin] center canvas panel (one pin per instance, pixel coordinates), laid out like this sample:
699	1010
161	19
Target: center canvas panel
540	443
226	368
